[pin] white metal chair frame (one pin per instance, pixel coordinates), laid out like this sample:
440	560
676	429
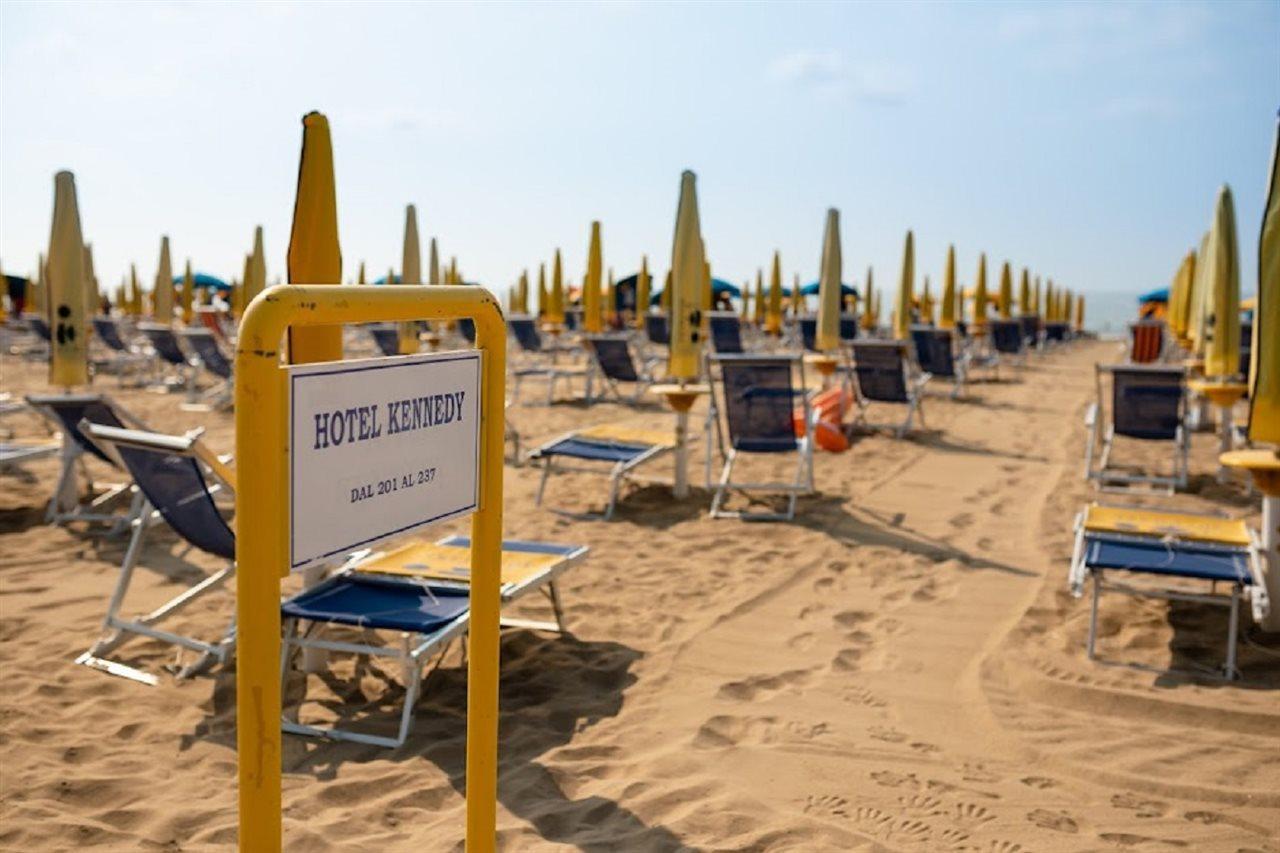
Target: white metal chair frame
618	473
1107	479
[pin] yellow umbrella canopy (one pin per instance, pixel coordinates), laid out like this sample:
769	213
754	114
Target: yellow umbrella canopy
869	303
69	342
1222	322
906	288
828	329
1038	299
522	295
948	318
1264	364
664	298
1024	293
544	296
980	294
188	294
433	263
410	273
555	311
926	304
746	301
642	292
1080	313
591	284
1005	300
258	260
798	304
162	296
1180	296
360	276
773	319
135	292
238	302
611	299
688	275
91	296
1196	300
314	255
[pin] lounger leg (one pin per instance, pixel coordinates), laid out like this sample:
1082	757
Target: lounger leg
1093	614
112	635
723	485
553	592
615	479
1233	629
542	483
65	492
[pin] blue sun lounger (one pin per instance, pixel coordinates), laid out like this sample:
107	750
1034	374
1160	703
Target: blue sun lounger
14	454
202	342
936	355
179	478
64	413
613	362
125	356
726	332
419	590
618	449
1169	547
1148	403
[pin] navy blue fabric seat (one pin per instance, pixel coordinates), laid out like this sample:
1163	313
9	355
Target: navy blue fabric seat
1187	560
387	338
613	356
367	601
209	353
809	333
657	329
175	486
848	327
526	333
595	449
109	333
1006	336
726	333
40	327
1148	403
467	327
934	351
165	343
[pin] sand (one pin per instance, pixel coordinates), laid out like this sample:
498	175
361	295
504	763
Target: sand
902	668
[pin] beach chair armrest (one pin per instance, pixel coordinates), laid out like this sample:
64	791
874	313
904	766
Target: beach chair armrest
1091	416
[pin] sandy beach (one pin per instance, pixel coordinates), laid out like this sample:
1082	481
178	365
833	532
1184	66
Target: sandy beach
901	668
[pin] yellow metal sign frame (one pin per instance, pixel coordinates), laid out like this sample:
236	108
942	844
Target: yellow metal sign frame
262	515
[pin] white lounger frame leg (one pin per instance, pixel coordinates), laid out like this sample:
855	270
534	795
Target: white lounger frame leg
118	630
617	473
801	485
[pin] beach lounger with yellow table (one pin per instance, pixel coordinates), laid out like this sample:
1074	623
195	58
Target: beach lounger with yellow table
1188	549
419	589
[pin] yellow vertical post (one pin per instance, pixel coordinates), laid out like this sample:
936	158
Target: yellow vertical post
68	345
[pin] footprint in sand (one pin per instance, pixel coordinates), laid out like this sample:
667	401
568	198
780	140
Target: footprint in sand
893	779
826	805
971	814
1040	782
763	686
1128	839
920	804
862	696
801	642
851	618
1059	821
846	660
1143	808
961	521
886	734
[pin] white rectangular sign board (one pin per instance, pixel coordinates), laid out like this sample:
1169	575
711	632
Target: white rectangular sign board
379	447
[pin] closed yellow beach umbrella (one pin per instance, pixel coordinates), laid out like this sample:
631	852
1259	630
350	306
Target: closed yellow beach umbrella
523	293
258	261
314	255
947	320
906	286
591	284
688	277
410	273
642	292
433	263
162	295
1180	296
555	310
664	300
869	304
360	276
926	304
92	298
828	330
1037	298
1005	301
1080	313
135	292
238	299
759	313
1264	364
1222	322
544	295
798	304
1024	293
980	294
188	294
773	318
1197	301
69	342
610	299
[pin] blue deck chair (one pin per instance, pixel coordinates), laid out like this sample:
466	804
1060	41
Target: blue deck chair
1148	403
848	327
657	329
386	337
14	454
125	357
178	477
40	326
1057	332
467	328
611	355
936	355
1007	338
64	413
1169	546
202	342
885	374
726	332
808	333
164	343
419	590
1030	329
540	360
618	449
758	395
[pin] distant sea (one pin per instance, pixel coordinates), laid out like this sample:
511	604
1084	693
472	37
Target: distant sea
1109	314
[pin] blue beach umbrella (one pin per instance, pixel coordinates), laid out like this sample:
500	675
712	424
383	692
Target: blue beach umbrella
206	281
718	287
1160	294
811	289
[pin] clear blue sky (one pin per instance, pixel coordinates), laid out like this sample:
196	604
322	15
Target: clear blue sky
1083	140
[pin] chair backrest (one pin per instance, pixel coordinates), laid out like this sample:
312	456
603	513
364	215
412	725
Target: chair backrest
656	329
107	330
1147	402
1056	331
169	474
526	333
1030	329
848	327
759	400
1246	348
164	342
68	410
933	351
1006	336
809	333
387	337
467	327
1146	341
40	326
571	319
726	332
881	368
207	350
614	357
